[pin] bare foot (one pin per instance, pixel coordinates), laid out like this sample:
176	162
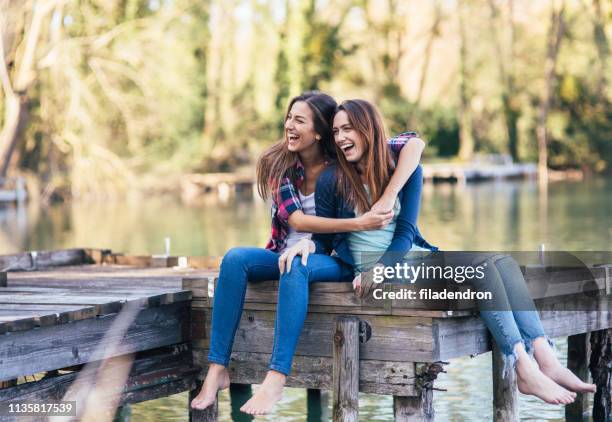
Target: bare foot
530	380
267	395
552	368
217	379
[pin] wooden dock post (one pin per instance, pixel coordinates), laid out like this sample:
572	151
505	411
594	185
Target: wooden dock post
578	350
345	378
209	414
419	408
601	370
505	390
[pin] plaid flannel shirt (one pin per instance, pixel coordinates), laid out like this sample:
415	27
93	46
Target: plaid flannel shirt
287	200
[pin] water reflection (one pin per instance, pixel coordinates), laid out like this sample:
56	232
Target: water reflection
494	216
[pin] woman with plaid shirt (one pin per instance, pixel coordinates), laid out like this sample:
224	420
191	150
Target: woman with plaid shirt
287	173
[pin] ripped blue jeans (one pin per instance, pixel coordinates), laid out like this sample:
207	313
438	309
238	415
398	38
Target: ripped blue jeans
510	316
242	265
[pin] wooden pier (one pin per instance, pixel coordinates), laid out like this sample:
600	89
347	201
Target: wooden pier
194	185
56	308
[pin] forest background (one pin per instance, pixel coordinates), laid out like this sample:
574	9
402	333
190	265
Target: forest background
104	97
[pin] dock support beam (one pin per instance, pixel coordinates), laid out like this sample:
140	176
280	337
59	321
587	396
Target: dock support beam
411	409
345	382
207	415
601	370
578	350
505	390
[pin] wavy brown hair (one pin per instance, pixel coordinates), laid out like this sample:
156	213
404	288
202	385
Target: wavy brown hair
365	120
278	162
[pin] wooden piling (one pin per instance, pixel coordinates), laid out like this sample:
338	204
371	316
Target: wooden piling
601	370
505	390
346	370
209	414
411	409
578	350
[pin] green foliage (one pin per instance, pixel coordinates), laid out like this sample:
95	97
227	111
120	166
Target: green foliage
437	125
582	129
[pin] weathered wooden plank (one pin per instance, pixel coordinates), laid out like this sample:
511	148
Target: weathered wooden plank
64	313
153	297
17	320
41	259
570	315
65	345
155	373
393	338
376	377
345	371
102	305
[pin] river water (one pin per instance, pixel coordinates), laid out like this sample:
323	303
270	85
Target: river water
488	216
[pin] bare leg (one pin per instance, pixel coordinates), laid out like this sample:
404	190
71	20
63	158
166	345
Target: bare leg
532	381
270	392
217	379
552	368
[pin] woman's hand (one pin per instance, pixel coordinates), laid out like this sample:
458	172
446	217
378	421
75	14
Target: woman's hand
362	285
373	220
304	248
385	203
363	282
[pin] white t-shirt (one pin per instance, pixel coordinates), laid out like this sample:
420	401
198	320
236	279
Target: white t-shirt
308	207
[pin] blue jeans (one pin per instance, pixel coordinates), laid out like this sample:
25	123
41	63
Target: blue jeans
242	265
511	316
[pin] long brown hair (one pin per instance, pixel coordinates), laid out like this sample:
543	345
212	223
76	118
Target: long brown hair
278	162
365	120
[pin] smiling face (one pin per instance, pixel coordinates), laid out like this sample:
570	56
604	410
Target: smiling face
348	140
299	127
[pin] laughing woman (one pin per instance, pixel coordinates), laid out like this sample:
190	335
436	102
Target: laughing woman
345	191
287	174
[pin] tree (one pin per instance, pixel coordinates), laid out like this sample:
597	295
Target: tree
466	136
507	77
24	74
556	30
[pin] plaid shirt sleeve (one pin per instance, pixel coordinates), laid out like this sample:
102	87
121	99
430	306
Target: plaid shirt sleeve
285	202
288	199
396	143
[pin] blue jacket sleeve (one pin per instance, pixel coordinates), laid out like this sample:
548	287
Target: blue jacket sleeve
406	223
326	206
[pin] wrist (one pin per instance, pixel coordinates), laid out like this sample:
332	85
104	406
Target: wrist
358	224
391	191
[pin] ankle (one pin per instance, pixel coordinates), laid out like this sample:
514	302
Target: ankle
276	377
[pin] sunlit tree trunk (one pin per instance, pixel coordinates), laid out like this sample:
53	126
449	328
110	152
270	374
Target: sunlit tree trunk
466	136
506	73
603	48
16	89
554	37
434	33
